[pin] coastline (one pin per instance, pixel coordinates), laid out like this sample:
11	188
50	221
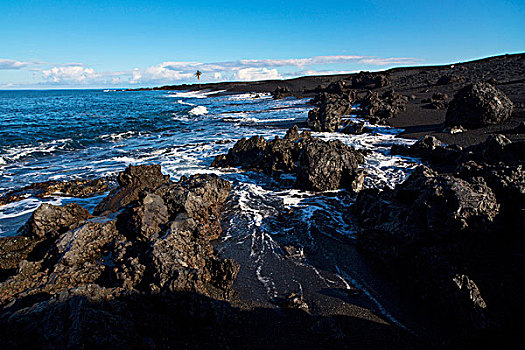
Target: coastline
507	71
334	311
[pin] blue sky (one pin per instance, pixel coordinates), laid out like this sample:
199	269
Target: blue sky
83	44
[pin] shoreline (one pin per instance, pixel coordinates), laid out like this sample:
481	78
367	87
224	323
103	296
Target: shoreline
420	83
389	247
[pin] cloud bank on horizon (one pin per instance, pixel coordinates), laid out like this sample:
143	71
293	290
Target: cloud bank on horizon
78	75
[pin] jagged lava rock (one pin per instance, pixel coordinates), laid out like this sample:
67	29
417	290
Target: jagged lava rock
158	242
319	165
384	106
131	182
245	152
370	80
325	166
50	219
281	92
74	188
427	207
478	105
326	117
429	148
353	129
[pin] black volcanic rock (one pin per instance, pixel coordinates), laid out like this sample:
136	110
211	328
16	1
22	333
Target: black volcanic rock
439	207
319	165
330	108
159	242
437	101
450	79
478	105
496	149
455	237
200	198
246	152
426	226
353	129
327	166
369	80
382	107
326	118
73	188
51	220
132	181
429	148
281	92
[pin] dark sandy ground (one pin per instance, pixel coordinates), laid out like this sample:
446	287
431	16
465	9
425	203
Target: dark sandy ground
507	72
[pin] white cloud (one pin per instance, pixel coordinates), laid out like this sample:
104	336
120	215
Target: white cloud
318	72
234	66
176	72
75	73
160	74
12	64
249	74
377	61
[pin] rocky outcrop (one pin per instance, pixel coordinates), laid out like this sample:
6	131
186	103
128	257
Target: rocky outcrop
52	220
132	181
246	152
353	128
496	149
431	149
330	107
156	241
478	105
325	166
437	101
440	207
74	188
379	108
367	80
281	92
319	165
455	237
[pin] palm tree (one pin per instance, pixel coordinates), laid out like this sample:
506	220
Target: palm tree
198	75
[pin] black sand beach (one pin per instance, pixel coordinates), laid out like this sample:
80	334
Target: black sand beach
145	270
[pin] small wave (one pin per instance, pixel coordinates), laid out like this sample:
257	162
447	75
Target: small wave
249	96
239	119
13	154
180	118
185	103
199	110
193	94
271	120
117	136
25	206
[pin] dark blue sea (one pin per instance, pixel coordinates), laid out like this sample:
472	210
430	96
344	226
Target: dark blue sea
81	134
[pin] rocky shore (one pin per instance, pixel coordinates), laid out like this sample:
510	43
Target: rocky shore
453	230
72	279
141	270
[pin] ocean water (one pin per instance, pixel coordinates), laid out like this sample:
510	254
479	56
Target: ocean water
61	135
70	134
